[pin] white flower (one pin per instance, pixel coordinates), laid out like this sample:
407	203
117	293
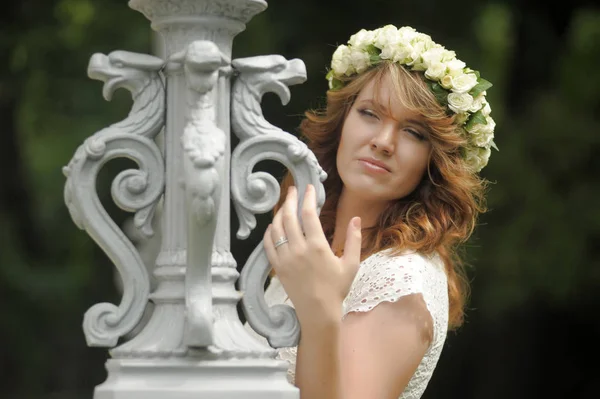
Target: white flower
463	83
362	39
446	82
486	110
401	53
490	126
341	62
433	56
407	34
386	36
416	62
460	102
360	60
482	137
448	55
477	103
455	67
436	71
477	157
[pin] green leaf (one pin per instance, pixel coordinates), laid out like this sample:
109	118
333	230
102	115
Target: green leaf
373	50
482	85
476	118
439	92
374	59
336	84
329	74
493	145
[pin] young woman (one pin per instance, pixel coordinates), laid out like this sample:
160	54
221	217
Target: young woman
375	278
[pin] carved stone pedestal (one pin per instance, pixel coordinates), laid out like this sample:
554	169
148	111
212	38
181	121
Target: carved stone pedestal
183	379
193	345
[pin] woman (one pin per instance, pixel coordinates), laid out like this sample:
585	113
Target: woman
375	278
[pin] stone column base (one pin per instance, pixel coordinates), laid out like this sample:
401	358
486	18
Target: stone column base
196	379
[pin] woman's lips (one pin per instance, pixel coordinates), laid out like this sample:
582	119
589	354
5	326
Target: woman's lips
374	166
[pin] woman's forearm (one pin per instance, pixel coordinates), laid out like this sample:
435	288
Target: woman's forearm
318	361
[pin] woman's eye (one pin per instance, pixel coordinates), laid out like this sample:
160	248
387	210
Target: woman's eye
368	113
415	133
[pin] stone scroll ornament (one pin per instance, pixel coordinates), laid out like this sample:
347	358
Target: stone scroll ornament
204	145
133	190
258	192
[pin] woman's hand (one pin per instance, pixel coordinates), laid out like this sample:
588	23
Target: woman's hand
315	279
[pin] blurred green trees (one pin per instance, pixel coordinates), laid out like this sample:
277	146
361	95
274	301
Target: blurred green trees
535	265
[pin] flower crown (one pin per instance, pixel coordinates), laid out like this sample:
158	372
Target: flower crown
455	86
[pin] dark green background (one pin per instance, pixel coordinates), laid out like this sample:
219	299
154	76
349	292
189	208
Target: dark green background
533	321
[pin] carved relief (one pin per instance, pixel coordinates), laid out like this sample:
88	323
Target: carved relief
204	145
258	192
133	190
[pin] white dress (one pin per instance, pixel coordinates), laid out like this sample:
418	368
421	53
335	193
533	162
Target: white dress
383	277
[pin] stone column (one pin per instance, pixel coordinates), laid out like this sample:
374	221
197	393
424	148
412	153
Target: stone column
193	344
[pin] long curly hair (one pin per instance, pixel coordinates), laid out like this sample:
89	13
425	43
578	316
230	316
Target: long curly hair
440	214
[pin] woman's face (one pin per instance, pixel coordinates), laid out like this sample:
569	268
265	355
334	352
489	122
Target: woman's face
384	147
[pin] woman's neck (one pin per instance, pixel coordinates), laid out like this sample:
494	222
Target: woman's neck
351	205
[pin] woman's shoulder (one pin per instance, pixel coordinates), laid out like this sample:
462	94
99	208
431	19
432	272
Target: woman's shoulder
410	261
388	275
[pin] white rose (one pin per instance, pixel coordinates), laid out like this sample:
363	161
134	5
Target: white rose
407	34
486	110
341	63
416	62
477	158
362	39
433	56
446	82
460	102
455	67
490	126
484	139
463	83
388	35
436	71
360	60
402	52
477	103
448	55
480	135
475	128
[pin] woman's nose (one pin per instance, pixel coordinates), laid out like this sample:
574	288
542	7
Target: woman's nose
384	140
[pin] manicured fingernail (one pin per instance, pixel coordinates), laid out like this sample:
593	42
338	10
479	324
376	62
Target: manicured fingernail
356	222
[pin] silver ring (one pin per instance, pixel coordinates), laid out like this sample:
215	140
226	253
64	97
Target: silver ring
282	240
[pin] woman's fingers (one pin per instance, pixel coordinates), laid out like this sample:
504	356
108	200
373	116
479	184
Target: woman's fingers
310	218
278	234
291	224
270	248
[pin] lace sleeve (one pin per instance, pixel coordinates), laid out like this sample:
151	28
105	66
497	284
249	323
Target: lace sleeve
383	278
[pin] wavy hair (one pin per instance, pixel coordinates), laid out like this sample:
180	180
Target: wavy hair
440	214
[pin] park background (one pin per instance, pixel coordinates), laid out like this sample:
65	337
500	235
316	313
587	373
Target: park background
533	320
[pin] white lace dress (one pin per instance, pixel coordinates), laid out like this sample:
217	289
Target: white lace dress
380	278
